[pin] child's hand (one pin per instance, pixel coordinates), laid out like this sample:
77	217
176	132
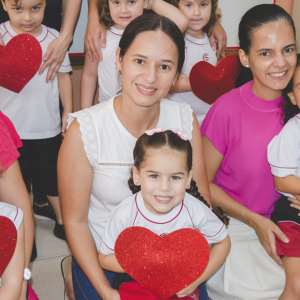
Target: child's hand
188	290
64	122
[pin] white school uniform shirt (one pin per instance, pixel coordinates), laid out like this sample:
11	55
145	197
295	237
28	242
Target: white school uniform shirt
195	50
190	213
109	148
109	80
284	151
35	110
13	213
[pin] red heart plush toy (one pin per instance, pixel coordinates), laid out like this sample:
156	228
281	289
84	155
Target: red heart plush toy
164	265
20	59
8	241
208	83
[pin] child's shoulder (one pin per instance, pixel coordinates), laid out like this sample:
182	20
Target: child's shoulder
52	33
292	126
125	208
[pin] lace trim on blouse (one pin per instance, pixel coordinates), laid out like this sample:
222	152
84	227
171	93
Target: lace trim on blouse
88	134
186	114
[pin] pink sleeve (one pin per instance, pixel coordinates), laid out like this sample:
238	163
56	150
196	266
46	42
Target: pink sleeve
9	142
215	125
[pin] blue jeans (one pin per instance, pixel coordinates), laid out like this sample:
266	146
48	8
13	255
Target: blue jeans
84	290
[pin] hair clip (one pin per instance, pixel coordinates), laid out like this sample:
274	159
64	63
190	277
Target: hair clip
210	208
184	136
154	130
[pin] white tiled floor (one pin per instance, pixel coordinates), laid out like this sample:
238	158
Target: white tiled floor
46	279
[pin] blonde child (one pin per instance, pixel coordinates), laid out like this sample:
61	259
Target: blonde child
116	15
166	199
202	15
35	110
284	158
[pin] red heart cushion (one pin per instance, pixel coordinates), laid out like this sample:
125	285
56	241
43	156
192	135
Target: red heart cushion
20	59
164	265
8	241
209	83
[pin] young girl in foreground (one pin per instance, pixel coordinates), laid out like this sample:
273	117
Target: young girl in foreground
166	199
202	16
116	15
284	158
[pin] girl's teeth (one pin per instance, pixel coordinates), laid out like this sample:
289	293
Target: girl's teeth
163	198
150	90
277	74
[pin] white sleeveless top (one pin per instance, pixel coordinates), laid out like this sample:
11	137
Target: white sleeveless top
109	147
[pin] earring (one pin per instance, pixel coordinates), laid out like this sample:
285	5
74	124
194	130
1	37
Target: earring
173	83
188	186
247	66
119	71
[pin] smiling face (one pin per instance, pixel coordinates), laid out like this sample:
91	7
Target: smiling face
198	12
148	68
163	178
272	59
26	16
124	11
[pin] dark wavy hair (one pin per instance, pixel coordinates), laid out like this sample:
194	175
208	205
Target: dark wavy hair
215	15
253	19
168	139
153	22
289	110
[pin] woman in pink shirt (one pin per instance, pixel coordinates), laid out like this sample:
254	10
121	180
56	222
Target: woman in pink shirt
236	132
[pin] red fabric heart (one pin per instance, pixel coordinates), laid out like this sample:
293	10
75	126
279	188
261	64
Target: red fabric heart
208	83
164	265
8	241
20	59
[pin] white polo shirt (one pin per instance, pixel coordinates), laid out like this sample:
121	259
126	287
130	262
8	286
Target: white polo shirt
284	151
195	50
109	80
35	110
190	213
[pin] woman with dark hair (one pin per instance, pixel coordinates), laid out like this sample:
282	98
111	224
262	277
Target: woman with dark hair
96	156
236	133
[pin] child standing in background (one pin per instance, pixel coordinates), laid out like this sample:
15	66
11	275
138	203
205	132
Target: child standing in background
202	15
116	15
35	110
284	158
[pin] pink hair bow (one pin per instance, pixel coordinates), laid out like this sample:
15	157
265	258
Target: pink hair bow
154	130
184	136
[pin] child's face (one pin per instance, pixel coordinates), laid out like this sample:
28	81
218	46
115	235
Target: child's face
295	94
123	12
198	12
163	178
26	16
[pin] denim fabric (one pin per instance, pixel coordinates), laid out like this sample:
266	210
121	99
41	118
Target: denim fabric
84	290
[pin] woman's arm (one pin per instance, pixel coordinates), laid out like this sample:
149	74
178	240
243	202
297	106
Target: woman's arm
65	92
110	263
12	278
88	82
170	11
199	166
94	32
181	86
14	192
265	228
57	49
218	254
75	177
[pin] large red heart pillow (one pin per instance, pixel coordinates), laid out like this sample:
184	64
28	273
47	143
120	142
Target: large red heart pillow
164	265
8	241
208	83
20	59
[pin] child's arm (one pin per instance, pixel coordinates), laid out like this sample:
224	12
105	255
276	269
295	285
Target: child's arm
181	86
88	82
12	278
110	263
173	13
218	254
289	184
65	92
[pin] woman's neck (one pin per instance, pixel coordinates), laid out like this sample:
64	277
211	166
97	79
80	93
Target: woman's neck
264	92
136	119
